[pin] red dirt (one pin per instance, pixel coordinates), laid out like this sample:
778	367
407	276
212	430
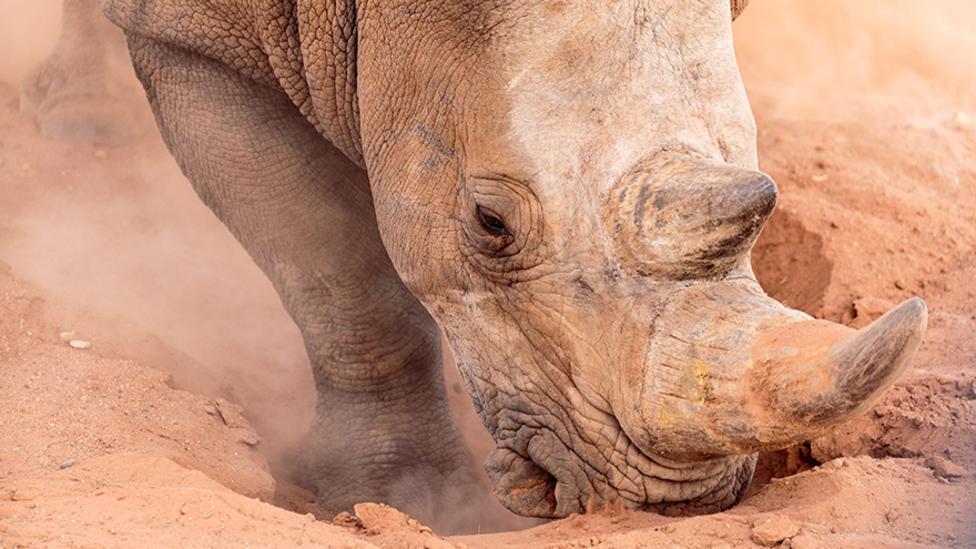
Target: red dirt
873	150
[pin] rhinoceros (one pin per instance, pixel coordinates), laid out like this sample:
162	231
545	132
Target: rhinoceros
568	189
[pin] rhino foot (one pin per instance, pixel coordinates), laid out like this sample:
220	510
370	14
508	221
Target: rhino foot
426	474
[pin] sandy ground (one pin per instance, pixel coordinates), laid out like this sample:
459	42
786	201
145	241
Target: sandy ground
170	429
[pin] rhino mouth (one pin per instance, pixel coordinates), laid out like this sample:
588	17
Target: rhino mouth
547	479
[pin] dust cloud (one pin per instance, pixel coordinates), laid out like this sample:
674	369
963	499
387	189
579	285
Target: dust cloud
136	262
118	236
840	60
28	31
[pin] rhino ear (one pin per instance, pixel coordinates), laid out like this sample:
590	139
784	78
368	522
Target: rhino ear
521	485
737	7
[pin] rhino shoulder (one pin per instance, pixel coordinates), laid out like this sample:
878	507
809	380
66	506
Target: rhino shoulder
227	31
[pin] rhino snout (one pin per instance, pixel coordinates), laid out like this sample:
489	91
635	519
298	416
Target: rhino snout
731	371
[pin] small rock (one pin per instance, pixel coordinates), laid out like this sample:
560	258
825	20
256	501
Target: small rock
66	463
67	336
346	520
80	344
833	464
231	414
944	468
774	530
819	178
899	284
250	438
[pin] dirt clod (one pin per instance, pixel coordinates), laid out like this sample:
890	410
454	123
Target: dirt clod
772	531
944	468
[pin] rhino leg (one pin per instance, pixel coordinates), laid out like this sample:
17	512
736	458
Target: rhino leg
84	92
304	212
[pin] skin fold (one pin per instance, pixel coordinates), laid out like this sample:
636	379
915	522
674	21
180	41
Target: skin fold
569	190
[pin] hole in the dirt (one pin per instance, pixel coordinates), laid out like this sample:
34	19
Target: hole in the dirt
790	264
780	464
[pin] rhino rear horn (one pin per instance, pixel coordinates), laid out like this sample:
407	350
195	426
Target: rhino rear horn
689	218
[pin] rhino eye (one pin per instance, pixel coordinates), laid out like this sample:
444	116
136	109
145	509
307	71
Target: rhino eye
491	222
500	219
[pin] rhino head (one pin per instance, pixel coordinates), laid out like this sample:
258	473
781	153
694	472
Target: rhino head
571	189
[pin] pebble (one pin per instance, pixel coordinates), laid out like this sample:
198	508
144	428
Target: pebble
67	336
772	531
66	463
835	463
80	344
250	438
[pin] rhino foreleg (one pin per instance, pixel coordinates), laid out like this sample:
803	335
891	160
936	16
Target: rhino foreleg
303	211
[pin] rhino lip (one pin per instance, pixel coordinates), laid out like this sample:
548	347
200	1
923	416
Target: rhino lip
728	370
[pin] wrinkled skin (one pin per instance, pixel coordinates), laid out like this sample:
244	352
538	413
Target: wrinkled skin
569	190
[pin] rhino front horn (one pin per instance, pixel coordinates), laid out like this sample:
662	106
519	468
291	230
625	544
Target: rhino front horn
807	380
728	370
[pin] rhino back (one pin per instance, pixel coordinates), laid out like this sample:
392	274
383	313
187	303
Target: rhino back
305	48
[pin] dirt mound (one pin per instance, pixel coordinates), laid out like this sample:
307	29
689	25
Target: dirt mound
138	500
817	502
868	213
65	405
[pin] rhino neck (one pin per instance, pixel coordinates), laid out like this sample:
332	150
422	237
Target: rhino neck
312	47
